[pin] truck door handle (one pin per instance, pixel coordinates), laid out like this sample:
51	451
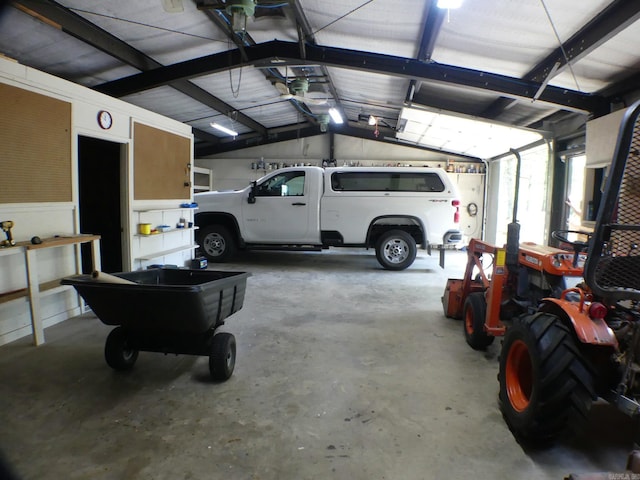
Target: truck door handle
298	204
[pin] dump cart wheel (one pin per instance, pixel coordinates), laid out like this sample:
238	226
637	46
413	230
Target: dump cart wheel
474	314
546	384
223	356
117	351
396	250
217	243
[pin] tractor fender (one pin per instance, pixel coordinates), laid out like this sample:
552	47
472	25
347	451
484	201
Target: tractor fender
593	331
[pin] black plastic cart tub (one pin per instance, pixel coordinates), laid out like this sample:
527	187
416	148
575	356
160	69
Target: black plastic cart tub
169	311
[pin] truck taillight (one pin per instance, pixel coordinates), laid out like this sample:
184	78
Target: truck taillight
456	215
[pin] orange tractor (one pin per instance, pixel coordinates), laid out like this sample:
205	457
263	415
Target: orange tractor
495	289
564	350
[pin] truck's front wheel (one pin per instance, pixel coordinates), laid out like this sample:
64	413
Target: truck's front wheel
396	250
217	243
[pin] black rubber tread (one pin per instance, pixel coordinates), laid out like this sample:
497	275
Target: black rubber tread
402	235
117	352
222	359
562	381
230	247
476	306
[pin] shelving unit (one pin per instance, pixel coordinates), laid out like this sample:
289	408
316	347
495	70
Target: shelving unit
202	179
167	247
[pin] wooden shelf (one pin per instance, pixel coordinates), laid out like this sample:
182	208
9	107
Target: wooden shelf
184	248
59	241
173	230
47	288
160	210
11	250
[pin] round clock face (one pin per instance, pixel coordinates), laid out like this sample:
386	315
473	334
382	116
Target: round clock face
104	119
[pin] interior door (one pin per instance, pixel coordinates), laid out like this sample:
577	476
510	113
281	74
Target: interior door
281	210
99	199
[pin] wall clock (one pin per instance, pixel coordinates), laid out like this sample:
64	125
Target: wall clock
104	119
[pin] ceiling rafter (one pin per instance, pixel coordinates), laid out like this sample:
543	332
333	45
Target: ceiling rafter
610	21
432	26
305	35
77	26
295	132
279	53
221	20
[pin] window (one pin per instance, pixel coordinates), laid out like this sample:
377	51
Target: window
533	196
386	182
288	184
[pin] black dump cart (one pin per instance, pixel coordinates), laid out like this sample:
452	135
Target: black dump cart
166	310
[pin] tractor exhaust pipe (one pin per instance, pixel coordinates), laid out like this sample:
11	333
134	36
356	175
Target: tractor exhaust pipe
513	229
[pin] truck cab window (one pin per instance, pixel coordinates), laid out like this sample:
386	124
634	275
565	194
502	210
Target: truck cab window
286	184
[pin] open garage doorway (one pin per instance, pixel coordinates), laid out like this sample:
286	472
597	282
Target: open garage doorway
100	167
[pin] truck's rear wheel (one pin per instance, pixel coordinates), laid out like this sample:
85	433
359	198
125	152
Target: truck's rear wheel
473	316
396	250
546	385
216	243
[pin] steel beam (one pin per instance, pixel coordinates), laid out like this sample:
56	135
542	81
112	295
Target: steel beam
279	53
293	132
432	26
610	21
80	28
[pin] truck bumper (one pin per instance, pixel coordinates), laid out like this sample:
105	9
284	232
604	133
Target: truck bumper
452	237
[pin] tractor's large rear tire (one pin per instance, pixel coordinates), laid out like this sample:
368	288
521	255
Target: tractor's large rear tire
546	384
473	316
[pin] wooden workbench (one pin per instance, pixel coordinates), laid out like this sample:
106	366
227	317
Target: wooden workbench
34	287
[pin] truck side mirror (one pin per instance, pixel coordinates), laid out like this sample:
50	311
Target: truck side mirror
252	193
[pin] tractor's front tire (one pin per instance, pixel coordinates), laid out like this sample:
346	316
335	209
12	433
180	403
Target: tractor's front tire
546	384
474	313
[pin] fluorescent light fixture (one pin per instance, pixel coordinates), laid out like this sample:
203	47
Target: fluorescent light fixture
335	116
449	4
226	130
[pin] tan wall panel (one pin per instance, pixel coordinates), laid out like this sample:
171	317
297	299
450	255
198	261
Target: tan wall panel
161	164
35	147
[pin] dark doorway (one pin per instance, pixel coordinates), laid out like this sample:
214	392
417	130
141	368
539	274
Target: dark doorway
99	199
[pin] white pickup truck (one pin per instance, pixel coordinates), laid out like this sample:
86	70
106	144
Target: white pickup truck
310	208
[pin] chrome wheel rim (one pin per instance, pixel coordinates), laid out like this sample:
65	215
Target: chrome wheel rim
396	251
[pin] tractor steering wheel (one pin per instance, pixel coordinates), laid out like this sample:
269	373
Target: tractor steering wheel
578	246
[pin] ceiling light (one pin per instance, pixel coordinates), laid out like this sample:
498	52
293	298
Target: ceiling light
335	116
239	11
449	4
323	120
373	120
226	130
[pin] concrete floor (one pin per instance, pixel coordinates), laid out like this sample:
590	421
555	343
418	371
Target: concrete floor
344	371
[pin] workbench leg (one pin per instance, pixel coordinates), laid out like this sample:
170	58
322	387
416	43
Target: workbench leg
95	254
34	297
